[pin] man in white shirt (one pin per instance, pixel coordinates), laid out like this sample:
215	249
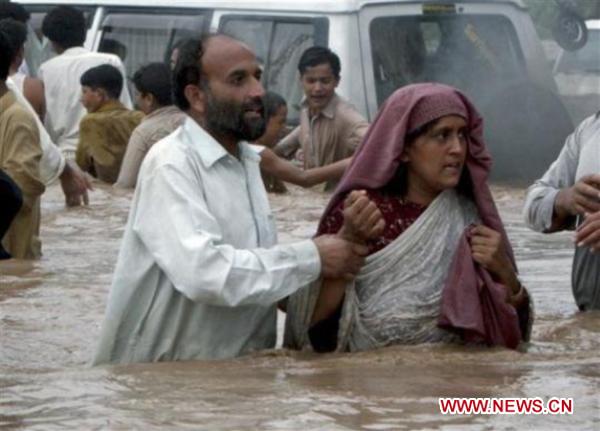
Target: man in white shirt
567	197
199	271
65	27
53	165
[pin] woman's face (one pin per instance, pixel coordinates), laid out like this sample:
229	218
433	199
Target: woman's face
436	158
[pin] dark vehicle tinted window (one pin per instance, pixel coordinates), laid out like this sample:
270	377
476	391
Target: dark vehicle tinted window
278	43
473	53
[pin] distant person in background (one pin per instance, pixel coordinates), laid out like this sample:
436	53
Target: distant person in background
154	97
105	131
31	88
65	26
330	128
567	197
20	155
53	165
275	169
12	200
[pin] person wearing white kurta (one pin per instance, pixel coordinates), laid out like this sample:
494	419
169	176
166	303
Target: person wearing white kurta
199	272
198	207
62	91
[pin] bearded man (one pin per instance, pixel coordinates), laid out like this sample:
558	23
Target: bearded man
199	271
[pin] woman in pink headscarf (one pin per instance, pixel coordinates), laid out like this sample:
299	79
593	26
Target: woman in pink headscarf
441	267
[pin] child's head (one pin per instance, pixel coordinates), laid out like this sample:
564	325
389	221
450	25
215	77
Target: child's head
276	116
99	85
153	86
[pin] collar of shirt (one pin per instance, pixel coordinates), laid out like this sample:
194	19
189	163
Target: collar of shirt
207	147
75	50
112	105
329	109
7	100
165	110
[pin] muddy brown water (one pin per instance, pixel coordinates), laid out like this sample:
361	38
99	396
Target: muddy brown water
51	310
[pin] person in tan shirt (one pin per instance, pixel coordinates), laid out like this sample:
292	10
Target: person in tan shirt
154	97
20	155
330	128
106	129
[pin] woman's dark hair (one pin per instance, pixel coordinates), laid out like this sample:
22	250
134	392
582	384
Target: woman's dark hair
155	79
65	26
272	102
7	54
188	70
317	55
106	77
15	32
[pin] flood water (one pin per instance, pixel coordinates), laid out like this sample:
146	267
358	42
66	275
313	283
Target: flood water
51	310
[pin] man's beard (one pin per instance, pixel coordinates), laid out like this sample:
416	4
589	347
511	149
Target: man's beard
226	117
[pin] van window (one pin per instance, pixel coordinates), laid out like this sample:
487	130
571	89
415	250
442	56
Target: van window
473	52
146	36
278	43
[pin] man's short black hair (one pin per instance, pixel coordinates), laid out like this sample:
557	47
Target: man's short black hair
65	26
272	101
105	77
14	11
316	55
188	69
155	79
15	31
6	56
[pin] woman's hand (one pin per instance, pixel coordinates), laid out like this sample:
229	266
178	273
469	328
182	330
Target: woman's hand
362	218
488	250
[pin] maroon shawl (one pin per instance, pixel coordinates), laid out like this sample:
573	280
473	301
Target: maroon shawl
473	304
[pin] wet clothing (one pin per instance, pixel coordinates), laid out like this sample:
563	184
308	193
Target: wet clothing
398	214
53	162
103	138
330	136
152	129
20	155
12	199
579	157
62	90
423	283
199	271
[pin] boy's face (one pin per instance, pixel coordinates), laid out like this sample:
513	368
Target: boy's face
92	99
319	84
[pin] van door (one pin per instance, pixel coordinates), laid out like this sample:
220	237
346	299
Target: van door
278	42
476	48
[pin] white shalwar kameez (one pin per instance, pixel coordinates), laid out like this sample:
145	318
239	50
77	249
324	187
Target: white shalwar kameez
198	274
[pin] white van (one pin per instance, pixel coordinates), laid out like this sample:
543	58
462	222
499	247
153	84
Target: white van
487	48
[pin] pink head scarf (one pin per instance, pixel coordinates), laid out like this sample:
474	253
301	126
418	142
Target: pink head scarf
472	303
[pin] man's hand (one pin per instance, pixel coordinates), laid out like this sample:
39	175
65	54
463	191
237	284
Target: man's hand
588	233
582	197
340	258
362	218
75	185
